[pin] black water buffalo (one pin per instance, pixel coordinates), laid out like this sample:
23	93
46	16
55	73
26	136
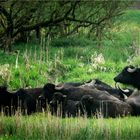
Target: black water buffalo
46	95
75	93
134	101
94	82
64	107
97	83
26	102
8	101
48	92
129	75
57	102
70	84
34	92
49	89
105	108
73	108
117	92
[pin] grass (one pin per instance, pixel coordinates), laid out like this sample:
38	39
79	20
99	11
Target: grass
65	60
44	126
34	67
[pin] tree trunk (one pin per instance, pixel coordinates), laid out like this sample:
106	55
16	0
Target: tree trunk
23	37
98	36
8	44
38	35
8	39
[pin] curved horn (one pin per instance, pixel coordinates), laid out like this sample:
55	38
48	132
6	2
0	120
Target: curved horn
131	70
122	93
125	97
13	91
93	82
123	90
116	85
59	88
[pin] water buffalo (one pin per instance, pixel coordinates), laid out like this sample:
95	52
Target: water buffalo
117	92
70	84
49	89
105	108
34	92
73	108
130	75
134	101
64	107
97	83
8	101
48	92
75	93
46	95
26	102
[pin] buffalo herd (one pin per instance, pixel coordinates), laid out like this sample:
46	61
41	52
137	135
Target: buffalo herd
91	98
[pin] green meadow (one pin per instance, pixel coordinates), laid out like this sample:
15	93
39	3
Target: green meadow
71	59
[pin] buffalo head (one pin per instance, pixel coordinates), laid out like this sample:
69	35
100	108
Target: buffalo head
129	75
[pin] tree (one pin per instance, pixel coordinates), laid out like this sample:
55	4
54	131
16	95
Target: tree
60	18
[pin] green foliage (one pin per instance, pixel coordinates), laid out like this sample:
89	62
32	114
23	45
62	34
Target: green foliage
131	16
53	19
71	42
135	61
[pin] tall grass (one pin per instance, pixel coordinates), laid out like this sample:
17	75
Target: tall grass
44	126
32	68
34	65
